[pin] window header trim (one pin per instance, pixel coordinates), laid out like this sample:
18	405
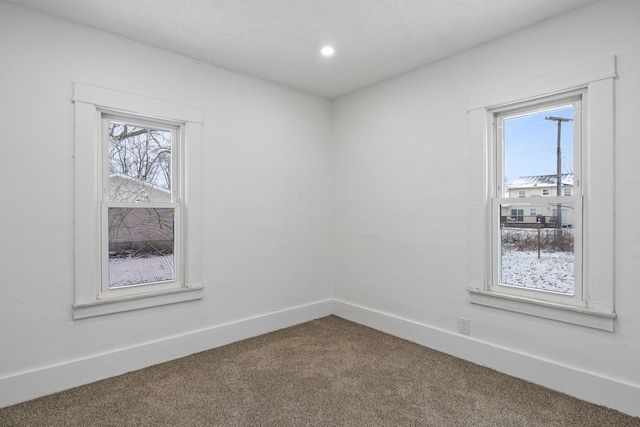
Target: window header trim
562	80
117	101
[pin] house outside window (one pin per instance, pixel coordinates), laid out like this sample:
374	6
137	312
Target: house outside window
534	187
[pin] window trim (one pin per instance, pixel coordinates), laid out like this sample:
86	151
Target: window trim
89	104
597	79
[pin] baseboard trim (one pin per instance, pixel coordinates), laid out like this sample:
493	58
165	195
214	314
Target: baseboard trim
45	380
583	385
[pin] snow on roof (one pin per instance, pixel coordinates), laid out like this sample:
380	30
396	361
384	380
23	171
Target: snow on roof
138	181
541	181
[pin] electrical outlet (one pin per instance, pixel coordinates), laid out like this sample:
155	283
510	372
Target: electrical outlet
464	325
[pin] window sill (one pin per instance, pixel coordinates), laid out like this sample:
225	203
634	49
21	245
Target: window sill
576	316
154	299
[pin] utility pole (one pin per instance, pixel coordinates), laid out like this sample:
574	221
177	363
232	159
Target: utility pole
559	120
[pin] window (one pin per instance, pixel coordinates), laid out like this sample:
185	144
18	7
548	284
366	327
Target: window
141	203
522	193
137	169
538	142
564	217
578	287
517	215
567	191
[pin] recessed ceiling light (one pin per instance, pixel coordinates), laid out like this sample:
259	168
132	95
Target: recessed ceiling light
327	51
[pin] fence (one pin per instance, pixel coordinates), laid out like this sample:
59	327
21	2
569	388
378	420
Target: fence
537	238
526	221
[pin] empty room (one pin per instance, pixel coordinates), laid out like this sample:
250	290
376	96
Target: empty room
320	212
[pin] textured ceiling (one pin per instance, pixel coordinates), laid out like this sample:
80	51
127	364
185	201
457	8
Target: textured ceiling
279	40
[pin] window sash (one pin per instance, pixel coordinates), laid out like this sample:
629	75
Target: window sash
574	98
176	133
578	298
141	288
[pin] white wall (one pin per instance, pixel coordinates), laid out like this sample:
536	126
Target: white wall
401	203
267	211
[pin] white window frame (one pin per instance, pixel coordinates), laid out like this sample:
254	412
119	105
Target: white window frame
497	116
92	295
522	193
596	307
177	146
567	191
546	192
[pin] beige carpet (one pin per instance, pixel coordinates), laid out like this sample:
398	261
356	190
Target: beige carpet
328	372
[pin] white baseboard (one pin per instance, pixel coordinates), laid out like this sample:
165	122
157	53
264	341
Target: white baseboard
46	380
586	386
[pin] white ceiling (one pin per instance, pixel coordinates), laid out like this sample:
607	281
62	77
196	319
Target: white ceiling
279	40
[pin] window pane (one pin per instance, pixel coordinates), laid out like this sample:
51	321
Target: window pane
141	246
139	163
534	253
533	155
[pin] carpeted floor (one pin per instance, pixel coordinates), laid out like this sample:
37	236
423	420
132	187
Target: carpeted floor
328	372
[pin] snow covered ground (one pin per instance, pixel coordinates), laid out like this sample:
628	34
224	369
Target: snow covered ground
552	272
141	269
